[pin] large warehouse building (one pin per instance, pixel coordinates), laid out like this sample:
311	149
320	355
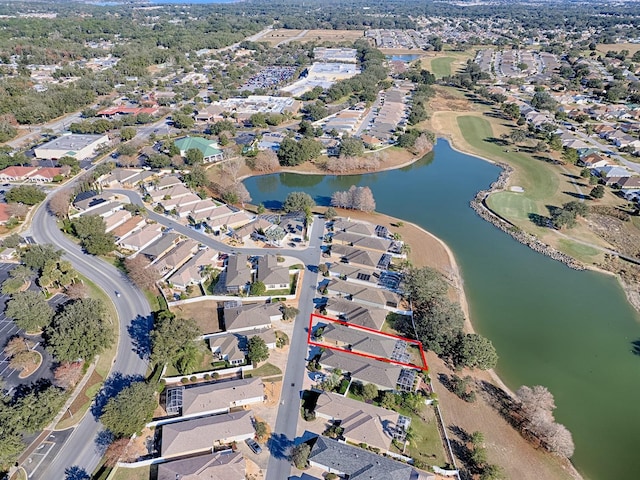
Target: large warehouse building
71	145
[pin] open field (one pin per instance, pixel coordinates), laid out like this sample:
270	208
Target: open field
605	47
204	313
140	473
282	34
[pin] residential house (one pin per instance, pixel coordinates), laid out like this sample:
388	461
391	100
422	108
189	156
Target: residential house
183	201
116	219
593	160
167	181
227	222
221	396
215	466
354	227
238	274
356	313
124	177
141	239
255	316
233	347
90	199
361	241
366	370
176	191
200	435
191	272
365	258
129	227
370	296
176	257
209	148
357	464
16	173
161	246
273	276
610	171
628	183
353	272
103	210
355	340
251	230
361	422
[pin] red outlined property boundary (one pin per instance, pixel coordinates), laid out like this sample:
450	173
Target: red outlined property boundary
417	343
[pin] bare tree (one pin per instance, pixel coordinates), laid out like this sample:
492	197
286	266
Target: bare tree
65	170
59	203
15	346
339	165
231	169
127	161
17	210
68	374
535	399
422	144
116	451
242	193
558	439
266	161
76	291
340	199
141	272
366	202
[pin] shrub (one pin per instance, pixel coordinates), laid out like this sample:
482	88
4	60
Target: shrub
184	380
193	379
207	376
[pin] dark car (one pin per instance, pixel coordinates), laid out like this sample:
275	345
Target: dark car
254	446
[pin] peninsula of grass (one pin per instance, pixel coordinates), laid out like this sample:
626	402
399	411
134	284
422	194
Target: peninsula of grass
441	66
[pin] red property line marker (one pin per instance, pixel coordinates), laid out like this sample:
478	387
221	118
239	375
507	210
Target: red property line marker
417	343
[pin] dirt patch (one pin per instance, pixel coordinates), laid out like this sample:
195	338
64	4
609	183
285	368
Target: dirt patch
82	397
505	446
204	313
272	392
253	471
623	235
139	446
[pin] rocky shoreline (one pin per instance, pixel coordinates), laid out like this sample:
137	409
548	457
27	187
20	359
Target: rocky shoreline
480	207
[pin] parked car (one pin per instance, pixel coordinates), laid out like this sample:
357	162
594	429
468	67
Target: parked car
254	446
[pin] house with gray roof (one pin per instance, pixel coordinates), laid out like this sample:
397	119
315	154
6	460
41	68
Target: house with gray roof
361	241
233	347
366	370
357	464
214	466
273	276
356	340
354	272
200	435
161	246
238	274
141	239
369	296
191	273
356	313
243	318
354	227
218	397
357	256
176	257
361	422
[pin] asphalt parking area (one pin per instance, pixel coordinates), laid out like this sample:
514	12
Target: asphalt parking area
45	453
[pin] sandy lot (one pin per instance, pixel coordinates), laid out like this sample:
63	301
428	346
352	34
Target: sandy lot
280	34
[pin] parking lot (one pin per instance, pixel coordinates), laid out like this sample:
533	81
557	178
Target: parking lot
44	453
9	329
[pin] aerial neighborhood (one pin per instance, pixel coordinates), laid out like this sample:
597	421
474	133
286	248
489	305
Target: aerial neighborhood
216	258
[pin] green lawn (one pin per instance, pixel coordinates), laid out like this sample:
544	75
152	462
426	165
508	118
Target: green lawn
441	66
582	252
512	205
140	473
266	370
426	444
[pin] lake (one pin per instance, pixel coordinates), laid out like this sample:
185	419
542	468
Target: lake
570	331
407	58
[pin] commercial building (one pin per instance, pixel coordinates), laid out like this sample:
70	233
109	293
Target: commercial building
71	145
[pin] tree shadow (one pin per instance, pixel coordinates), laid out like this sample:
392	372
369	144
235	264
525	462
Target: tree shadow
540	220
497	141
635	347
76	473
580	196
547	160
279	446
103	440
139	333
111	387
573	177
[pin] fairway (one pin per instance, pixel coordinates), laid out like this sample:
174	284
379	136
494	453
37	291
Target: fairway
441	66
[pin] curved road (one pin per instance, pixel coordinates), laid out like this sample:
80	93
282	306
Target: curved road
81	448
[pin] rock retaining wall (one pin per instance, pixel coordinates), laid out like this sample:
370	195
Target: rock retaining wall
480	207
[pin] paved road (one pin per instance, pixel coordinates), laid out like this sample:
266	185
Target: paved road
81	448
284	433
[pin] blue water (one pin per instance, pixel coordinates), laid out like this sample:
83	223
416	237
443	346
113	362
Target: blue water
404	57
570	331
